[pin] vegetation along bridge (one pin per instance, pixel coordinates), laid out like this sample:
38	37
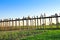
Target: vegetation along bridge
28	23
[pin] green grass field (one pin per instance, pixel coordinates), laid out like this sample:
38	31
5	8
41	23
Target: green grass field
48	35
17	35
31	34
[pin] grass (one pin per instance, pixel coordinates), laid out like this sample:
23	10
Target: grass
17	35
31	34
49	35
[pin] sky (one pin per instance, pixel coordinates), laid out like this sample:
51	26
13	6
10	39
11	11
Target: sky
20	8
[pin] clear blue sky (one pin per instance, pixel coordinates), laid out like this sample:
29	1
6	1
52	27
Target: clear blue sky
20	8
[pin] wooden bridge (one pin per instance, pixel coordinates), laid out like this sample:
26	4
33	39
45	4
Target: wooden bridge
30	23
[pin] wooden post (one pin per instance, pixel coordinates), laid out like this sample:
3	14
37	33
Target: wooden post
30	23
16	23
23	22
57	25
12	22
40	22
6	24
19	23
37	23
0	24
51	22
27	24
9	22
44	20
12	27
3	25
43	23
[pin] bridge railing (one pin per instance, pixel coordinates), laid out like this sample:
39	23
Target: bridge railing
30	23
